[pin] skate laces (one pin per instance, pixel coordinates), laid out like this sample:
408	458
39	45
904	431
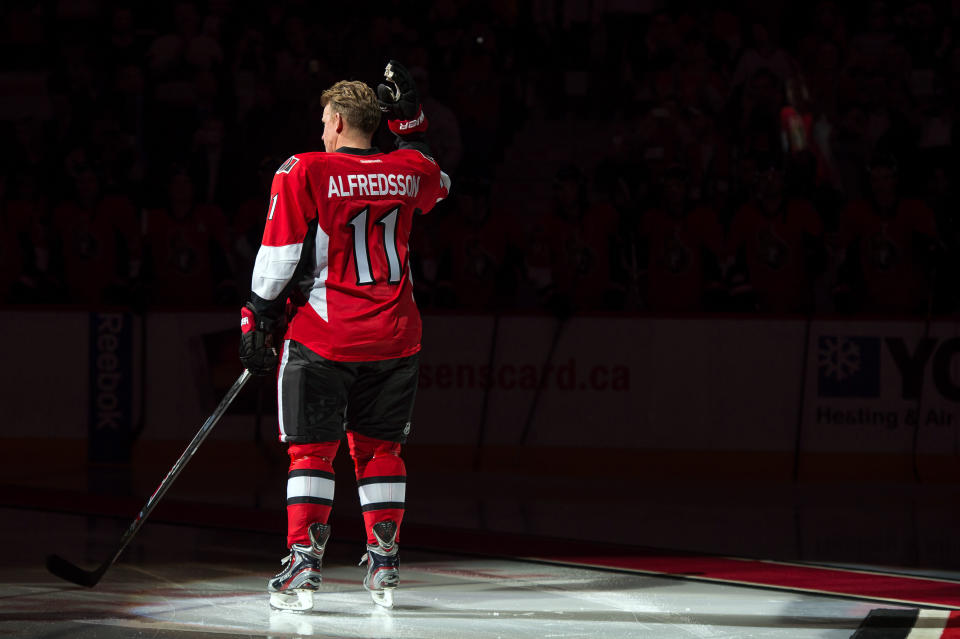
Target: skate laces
309	551
379	553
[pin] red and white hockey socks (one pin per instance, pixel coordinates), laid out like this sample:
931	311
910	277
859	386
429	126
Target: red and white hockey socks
381	480
310	484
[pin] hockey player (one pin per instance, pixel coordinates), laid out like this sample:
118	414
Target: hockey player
334	259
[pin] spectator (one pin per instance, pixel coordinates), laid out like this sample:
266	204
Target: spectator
684	242
186	44
701	87
29	147
922	33
246	227
579	236
213	165
662	42
877	34
27	220
888	240
764	53
476	241
886	125
478	98
778	243
123	46
179	62
127	111
98	242
758	113
823	76
187	250
941	198
249	62
113	154
430	255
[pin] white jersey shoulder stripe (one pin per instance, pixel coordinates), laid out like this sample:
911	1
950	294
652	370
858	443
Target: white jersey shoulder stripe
273	268
445	183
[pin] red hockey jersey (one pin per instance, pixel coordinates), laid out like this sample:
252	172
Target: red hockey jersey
338	226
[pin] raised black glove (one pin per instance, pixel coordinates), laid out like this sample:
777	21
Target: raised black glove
258	352
401	102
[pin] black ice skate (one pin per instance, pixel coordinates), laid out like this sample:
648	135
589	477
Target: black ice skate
293	587
383	564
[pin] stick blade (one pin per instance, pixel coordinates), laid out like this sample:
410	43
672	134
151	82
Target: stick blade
68	571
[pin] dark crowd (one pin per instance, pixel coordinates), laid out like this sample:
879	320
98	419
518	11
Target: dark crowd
618	155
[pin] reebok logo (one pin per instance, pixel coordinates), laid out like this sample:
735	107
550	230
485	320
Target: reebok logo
109	373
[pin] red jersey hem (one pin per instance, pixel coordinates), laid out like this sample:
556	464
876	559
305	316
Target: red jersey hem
342	357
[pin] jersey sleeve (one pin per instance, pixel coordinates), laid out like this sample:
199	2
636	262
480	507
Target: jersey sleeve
436	184
289	211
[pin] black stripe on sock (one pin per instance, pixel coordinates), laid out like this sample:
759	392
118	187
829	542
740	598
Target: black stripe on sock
383	505
385	479
309	500
309	472
887	623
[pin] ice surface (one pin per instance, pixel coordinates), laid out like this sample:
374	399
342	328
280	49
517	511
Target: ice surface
177	581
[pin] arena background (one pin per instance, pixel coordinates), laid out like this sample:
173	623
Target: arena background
663	304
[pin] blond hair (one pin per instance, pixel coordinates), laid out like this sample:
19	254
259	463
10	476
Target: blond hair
355	102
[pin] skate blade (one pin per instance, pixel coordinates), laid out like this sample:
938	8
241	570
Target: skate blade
297	600
383	598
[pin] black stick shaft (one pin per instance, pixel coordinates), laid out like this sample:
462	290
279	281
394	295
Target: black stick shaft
542	381
64	569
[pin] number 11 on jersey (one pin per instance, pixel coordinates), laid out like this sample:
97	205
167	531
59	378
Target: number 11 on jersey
360	247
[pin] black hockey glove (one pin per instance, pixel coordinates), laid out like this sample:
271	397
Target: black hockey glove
258	352
401	102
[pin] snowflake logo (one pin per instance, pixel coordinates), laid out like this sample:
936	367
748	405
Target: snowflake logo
839	358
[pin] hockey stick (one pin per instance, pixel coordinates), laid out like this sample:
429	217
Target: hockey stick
89	578
542	380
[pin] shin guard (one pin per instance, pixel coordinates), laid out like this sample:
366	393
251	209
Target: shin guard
381	480
310	483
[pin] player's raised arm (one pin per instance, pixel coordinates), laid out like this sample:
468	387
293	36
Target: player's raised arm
400	102
289	210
